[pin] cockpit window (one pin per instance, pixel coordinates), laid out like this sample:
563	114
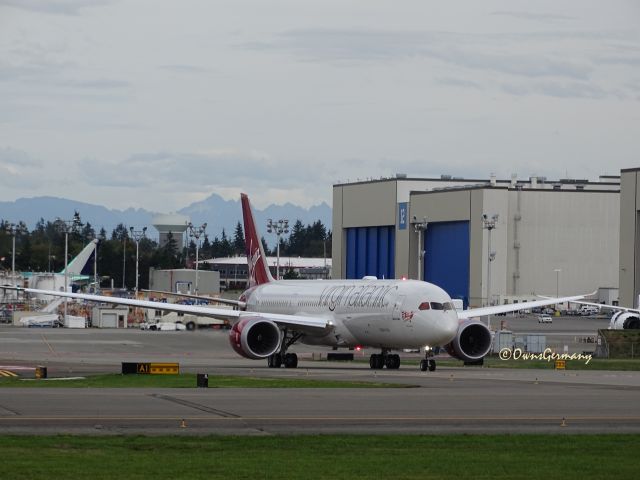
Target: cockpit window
440	306
424	306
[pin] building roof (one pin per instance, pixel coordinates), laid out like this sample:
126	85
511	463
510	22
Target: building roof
293	262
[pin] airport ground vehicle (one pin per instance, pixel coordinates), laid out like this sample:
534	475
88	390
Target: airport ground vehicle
589	310
545	319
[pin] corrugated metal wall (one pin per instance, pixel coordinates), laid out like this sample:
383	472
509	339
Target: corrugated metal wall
371	251
446	261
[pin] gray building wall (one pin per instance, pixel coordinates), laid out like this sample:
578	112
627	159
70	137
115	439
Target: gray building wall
166	280
629	237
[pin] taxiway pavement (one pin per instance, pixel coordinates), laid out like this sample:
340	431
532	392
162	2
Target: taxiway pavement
452	399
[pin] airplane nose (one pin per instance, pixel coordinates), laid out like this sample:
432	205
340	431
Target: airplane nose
452	324
448	327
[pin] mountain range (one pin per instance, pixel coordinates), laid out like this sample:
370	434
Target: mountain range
217	212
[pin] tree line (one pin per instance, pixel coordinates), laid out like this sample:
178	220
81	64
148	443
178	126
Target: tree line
42	249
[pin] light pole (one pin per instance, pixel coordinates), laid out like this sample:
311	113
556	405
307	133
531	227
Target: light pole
67	226
557	270
197	232
137	235
14	230
278	227
124	259
489	223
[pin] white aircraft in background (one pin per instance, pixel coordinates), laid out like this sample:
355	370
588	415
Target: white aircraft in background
390	315
623	319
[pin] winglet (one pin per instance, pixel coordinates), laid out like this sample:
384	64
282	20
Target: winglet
256	259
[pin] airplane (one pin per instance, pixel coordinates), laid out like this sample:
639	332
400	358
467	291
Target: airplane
623	319
389	315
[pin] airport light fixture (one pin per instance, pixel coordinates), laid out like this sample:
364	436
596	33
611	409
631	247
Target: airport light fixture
14	230
557	270
67	227
278	227
489	224
137	235
196	232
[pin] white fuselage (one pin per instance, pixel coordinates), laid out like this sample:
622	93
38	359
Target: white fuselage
373	313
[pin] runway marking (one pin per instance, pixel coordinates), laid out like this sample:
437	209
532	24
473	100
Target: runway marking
197	406
48	344
7	373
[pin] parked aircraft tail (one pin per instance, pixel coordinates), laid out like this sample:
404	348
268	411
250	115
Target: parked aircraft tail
256	259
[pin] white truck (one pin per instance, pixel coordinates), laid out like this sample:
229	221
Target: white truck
191	322
589	310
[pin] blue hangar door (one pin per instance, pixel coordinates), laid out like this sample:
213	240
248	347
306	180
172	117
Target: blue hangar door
446	260
371	251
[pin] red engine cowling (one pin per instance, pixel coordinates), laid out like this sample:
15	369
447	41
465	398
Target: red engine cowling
255	337
471	343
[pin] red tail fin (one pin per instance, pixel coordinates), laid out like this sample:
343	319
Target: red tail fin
256	260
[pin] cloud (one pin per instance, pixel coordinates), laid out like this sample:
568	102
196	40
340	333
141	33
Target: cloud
541	17
458	82
489	52
556	89
57	7
19	168
188	69
203	170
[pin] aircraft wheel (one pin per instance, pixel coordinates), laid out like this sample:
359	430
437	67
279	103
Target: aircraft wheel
424	365
432	365
275	360
376	361
290	360
392	362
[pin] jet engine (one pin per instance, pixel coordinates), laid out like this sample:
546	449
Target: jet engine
471	343
255	337
625	321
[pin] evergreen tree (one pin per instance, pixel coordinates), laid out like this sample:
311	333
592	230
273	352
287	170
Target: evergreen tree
238	240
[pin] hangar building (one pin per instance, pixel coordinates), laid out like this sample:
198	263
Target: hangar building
549	237
630	237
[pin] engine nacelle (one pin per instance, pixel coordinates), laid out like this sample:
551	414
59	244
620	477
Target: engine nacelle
471	343
625	321
255	337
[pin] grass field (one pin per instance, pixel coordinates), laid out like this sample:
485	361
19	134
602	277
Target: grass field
188	380
594	364
395	457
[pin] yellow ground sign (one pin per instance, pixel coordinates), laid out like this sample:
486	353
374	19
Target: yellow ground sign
159	368
560	364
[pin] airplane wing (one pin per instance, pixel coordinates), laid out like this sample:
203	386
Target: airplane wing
514	307
224	301
297	322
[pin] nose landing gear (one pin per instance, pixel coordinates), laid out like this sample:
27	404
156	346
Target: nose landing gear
428	363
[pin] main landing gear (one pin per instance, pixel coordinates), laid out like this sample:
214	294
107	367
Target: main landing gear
378	361
289	360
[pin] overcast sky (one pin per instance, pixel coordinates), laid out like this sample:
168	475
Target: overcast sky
160	103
